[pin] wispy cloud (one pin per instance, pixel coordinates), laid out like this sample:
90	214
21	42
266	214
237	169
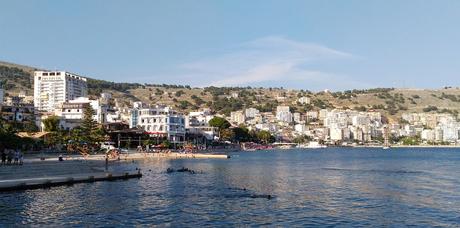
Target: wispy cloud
270	59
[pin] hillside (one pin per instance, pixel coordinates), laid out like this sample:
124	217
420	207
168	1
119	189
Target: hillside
391	102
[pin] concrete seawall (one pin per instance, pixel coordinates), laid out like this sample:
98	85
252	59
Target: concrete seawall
46	182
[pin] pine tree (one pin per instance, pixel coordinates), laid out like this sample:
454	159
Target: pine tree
89	126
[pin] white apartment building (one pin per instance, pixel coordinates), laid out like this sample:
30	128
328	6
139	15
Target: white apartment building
197	123
198	119
159	121
52	88
360	120
312	115
304	100
301	128
283	114
237	117
297	117
71	113
336	134
251	112
450	131
428	135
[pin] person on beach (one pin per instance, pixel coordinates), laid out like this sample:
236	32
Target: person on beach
3	157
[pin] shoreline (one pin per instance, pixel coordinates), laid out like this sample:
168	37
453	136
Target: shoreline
125	157
403	146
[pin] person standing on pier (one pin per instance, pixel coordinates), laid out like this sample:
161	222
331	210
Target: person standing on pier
3	157
16	157
21	158
9	157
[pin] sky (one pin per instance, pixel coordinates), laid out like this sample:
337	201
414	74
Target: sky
313	45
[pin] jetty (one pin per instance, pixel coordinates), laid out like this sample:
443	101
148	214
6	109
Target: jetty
35	174
47	182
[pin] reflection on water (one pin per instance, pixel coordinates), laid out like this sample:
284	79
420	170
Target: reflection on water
348	187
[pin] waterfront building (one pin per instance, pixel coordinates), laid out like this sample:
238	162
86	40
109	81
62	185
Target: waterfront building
197	124
428	135
160	122
17	113
336	134
71	112
52	88
450	131
198	119
438	134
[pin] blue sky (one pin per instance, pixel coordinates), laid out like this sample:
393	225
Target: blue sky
295	44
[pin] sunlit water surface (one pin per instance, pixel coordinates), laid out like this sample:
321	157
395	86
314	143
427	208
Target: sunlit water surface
329	187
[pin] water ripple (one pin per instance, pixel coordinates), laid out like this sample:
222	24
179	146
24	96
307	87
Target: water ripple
333	187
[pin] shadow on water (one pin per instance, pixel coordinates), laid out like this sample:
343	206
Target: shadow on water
383	171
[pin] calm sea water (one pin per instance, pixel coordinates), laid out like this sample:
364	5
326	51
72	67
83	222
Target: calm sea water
330	187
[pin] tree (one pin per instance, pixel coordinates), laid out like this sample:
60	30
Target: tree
166	144
89	127
51	124
219	123
265	136
179	93
241	134
227	134
301	139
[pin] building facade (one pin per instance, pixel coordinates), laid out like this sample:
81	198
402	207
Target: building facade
53	88
159	121
1	95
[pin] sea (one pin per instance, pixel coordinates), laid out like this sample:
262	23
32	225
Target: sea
333	187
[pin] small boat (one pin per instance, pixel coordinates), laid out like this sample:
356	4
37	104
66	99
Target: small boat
386	147
312	145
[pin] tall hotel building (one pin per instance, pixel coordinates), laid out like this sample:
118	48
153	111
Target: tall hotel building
52	88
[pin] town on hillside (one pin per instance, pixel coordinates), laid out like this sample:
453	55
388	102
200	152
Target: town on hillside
60	112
